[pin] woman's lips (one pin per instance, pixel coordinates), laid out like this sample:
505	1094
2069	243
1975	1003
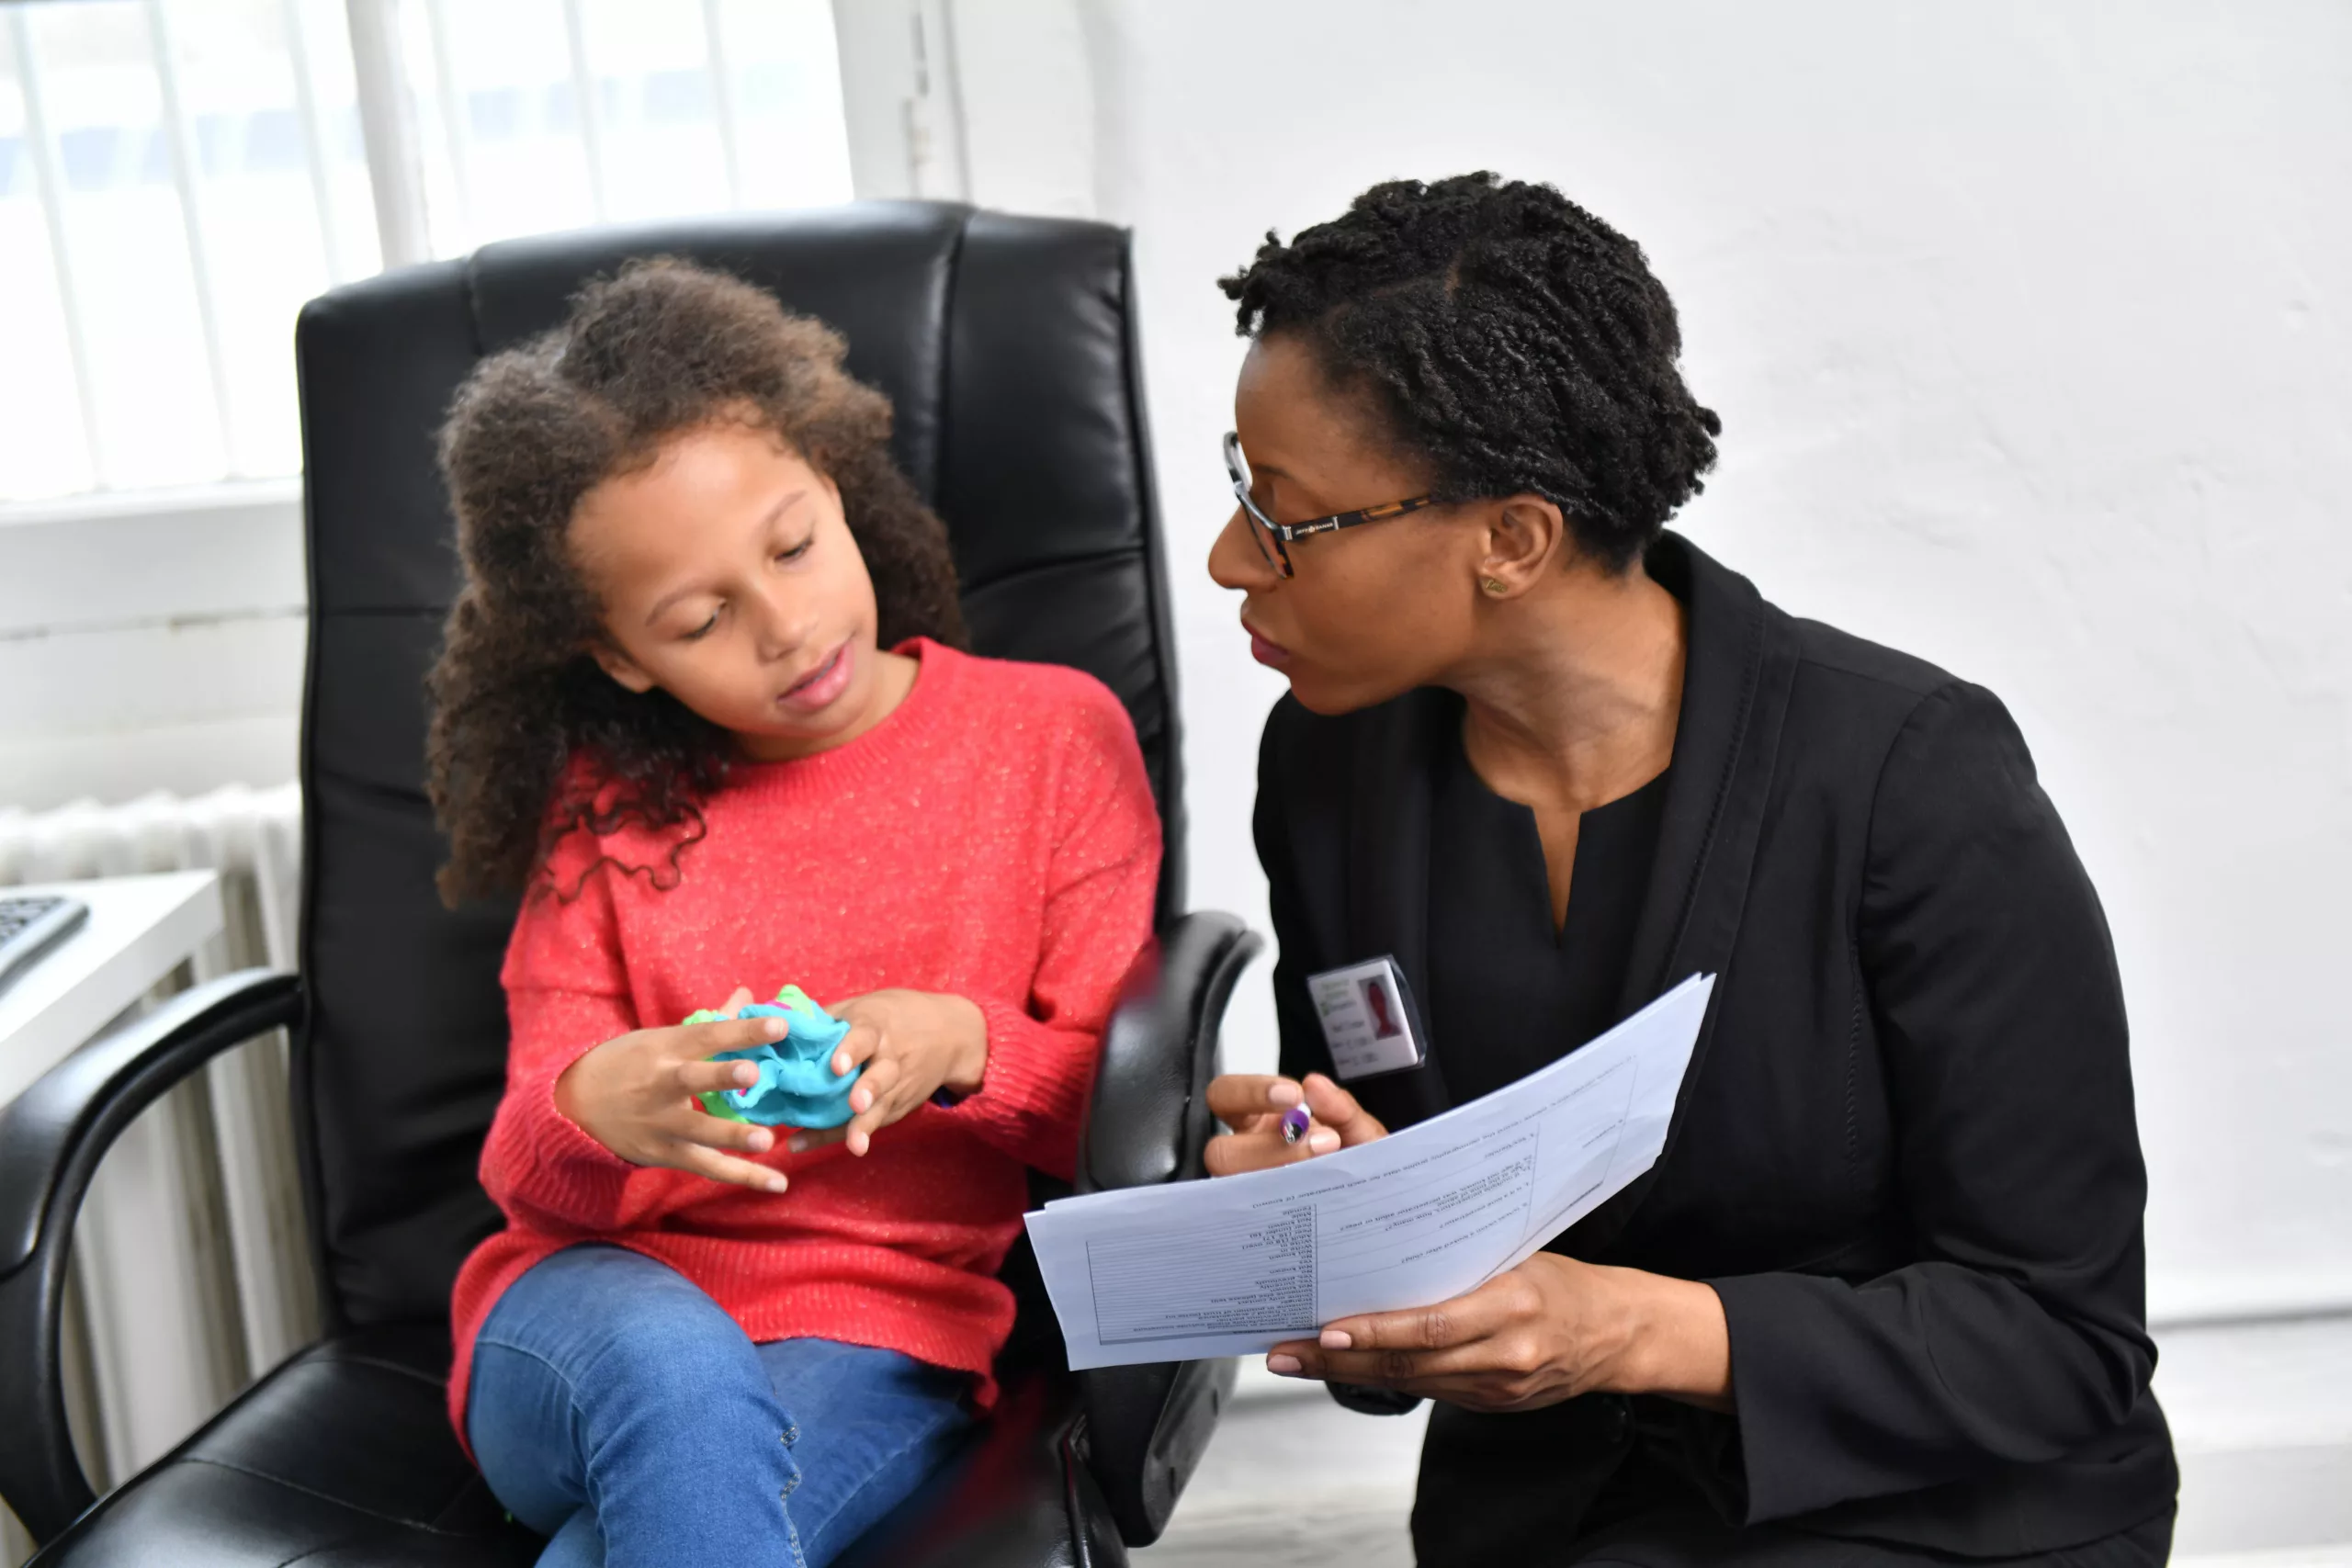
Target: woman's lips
1264	649
821	686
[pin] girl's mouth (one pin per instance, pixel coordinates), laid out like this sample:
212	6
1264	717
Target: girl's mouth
821	686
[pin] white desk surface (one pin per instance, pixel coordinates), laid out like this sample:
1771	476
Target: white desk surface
140	930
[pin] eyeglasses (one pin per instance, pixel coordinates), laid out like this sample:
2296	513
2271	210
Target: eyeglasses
1273	538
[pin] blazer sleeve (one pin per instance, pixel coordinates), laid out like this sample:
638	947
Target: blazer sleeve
2019	1335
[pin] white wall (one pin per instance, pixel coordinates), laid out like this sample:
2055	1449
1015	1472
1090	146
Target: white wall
2028	324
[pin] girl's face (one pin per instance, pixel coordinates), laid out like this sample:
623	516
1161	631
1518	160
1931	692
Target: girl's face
729	579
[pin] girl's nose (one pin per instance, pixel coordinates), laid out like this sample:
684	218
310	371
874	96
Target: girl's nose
783	623
1235	562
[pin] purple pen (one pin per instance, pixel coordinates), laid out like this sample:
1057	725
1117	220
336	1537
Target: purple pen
1295	1124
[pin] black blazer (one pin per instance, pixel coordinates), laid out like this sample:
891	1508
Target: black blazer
1904	1155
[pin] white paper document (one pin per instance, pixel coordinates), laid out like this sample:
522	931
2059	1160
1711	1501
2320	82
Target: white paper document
1237	1264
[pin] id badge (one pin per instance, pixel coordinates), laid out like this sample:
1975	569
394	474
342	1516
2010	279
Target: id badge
1368	1018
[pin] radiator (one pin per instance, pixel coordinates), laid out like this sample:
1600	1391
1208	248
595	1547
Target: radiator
190	1273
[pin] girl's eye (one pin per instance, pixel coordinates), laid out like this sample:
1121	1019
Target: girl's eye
703	630
797	551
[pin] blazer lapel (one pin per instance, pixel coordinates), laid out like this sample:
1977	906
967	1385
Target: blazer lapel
1388	891
1737	672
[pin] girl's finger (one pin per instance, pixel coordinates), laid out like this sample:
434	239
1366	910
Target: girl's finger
857	1046
1235	1097
876	1083
859	1134
862	1127
699	1076
691	1124
889	1101
725	1167
729	1034
809	1138
741	998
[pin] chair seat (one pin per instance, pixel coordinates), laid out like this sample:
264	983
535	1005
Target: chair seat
342	1458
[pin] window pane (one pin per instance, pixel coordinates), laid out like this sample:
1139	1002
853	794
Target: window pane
184	306
502	131
266	129
509	151
662	154
158	423
258	202
787	79
321	41
43	450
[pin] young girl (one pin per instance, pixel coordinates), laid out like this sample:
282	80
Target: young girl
702	701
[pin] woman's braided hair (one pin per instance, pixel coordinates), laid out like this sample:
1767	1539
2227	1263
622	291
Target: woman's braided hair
530	741
1512	339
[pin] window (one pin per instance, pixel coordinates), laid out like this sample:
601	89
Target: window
546	114
176	177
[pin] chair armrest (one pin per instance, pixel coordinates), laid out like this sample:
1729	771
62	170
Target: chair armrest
52	1138
1148	1121
1147	1427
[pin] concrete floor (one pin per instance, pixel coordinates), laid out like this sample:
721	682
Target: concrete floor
2262	1416
1293	1480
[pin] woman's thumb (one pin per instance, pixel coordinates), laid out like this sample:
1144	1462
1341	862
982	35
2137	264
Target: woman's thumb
1337	1109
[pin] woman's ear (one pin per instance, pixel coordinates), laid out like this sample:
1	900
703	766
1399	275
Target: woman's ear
621	668
1525	536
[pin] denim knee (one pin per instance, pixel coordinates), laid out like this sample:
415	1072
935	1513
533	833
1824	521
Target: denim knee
625	1331
696	1369
606	1381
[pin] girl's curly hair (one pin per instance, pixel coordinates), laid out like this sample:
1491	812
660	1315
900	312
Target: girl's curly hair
530	740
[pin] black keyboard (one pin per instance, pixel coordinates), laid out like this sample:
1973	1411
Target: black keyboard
30	926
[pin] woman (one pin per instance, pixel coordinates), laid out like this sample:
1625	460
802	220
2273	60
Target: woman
1880	1300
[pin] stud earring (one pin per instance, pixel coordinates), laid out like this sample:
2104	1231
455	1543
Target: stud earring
1494	585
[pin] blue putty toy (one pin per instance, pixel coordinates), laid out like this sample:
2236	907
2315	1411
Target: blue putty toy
798	1086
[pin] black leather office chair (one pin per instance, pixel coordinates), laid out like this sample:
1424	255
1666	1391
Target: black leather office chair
1008	346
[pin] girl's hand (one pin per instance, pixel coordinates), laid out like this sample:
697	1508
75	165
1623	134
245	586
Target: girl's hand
913	1045
635	1094
1253	1105
1548	1330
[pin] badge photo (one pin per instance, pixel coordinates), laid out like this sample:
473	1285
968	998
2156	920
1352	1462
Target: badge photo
1368	1018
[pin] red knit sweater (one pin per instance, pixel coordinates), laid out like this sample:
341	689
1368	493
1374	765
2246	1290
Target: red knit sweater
993	838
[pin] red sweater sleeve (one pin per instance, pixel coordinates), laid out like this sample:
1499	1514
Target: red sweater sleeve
1102	878
567	993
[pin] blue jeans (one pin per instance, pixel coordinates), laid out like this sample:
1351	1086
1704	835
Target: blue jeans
615	1408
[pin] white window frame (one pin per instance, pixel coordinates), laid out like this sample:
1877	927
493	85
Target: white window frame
234	549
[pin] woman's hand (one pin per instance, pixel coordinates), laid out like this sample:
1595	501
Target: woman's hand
1253	1106
913	1045
1548	1330
635	1094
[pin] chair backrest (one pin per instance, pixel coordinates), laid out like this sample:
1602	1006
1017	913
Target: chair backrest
1006	345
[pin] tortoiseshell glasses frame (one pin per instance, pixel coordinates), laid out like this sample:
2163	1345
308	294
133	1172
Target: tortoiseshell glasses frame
1273	538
